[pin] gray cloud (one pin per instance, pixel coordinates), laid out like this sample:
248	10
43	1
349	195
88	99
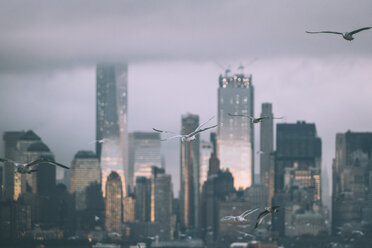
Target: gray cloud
54	34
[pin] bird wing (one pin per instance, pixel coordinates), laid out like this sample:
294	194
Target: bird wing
358	30
3	160
250	117
200	130
260	217
281	117
162	131
248	212
172	137
201	125
227	218
326	32
43	160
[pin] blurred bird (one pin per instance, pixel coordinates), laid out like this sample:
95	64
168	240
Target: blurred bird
255	120
187	137
239	218
347	35
27	168
100	141
245	235
262	215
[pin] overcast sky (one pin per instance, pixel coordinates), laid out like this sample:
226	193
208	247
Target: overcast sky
48	52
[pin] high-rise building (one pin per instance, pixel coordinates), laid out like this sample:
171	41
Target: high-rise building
161	200
351	198
297	174
143	199
266	148
85	170
12	185
206	150
111	127
190	166
236	134
113	203
129	214
144	152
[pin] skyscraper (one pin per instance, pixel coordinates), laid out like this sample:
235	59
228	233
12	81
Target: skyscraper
143	199
161	200
113	203
112	82
144	152
266	148
85	170
236	134
206	150
190	166
297	176
351	198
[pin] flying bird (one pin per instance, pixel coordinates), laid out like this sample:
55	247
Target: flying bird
28	168
246	234
239	218
255	120
347	35
262	215
187	137
98	141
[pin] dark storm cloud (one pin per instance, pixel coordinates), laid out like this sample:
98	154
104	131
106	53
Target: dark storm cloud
49	34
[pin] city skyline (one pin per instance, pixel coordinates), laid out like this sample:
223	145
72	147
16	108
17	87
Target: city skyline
292	67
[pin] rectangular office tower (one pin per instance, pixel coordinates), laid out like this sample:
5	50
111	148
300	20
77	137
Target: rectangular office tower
352	180
297	179
190	166
266	148
144	152
111	127
236	134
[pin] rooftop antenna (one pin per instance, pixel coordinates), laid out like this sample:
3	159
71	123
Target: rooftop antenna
225	68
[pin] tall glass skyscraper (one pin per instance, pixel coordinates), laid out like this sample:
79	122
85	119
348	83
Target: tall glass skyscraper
236	134
190	166
112	105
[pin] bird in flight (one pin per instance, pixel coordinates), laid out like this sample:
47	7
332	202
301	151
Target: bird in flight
100	141
245	235
28	168
187	137
262	215
255	120
239	218
347	35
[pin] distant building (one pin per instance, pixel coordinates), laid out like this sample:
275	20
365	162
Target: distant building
206	150
266	148
129	214
297	174
112	121
352	180
113	203
190	166
112	130
143	199
236	134
144	152
256	195
161	201
85	170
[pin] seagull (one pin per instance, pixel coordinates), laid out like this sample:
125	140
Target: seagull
239	218
187	137
246	234
96	218
98	141
27	168
260	152
347	35
255	120
262	215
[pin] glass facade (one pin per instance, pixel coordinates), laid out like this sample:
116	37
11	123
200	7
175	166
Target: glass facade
236	134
